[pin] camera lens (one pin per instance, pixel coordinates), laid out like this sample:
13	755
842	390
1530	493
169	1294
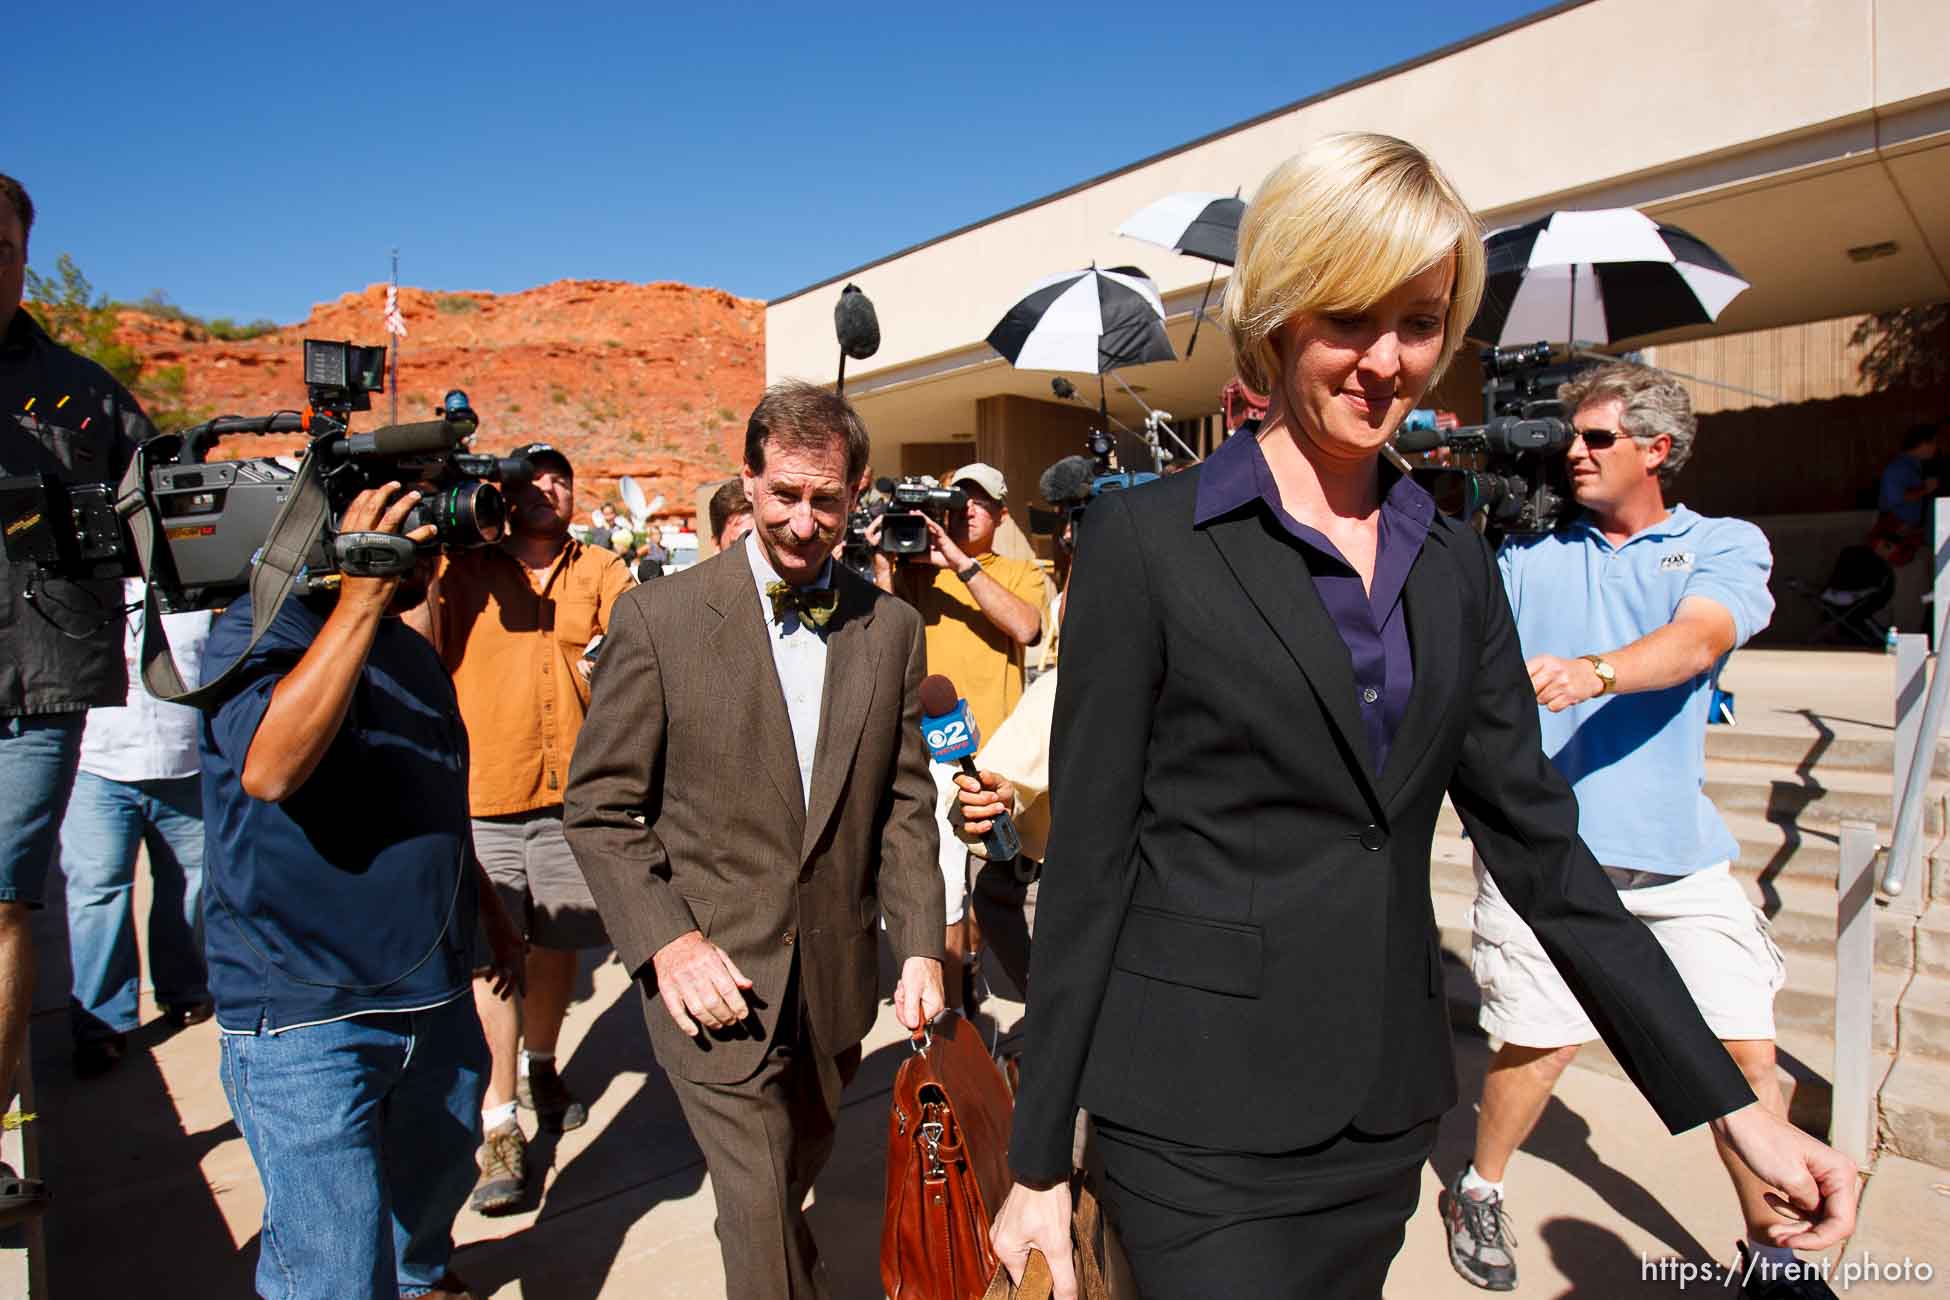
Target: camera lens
464	514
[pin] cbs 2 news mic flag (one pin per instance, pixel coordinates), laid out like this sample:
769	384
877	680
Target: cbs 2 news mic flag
952	738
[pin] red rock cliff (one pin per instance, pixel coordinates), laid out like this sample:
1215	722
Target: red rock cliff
649	380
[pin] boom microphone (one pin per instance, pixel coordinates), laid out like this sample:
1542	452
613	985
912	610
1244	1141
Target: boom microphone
952	738
404	439
1410	441
1067	480
855	324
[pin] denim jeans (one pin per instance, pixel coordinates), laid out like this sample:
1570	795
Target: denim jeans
106	821
37	765
363	1132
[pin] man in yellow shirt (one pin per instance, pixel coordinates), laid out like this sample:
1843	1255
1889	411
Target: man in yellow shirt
981	611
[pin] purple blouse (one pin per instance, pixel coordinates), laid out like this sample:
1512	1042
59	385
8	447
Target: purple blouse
1371	622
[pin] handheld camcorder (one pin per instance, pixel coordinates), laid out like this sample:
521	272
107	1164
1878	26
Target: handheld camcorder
1072	483
1515	478
900	505
207	522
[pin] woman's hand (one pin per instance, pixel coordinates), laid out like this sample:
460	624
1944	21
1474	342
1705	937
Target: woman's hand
1036	1219
981	800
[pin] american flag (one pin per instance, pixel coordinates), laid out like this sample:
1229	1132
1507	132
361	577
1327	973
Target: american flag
395	323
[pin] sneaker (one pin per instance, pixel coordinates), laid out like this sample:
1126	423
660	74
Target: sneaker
94	1057
450	1284
503	1159
541	1090
1797	1281
20	1198
1481	1244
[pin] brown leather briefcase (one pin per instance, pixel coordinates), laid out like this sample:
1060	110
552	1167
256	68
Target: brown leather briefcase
947	1166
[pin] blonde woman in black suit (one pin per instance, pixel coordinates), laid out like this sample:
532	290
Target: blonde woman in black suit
1277	665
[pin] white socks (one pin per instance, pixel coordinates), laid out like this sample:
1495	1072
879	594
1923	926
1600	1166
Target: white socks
1474	1184
521	1068
493	1117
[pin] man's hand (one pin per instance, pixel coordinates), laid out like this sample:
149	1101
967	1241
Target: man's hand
942	551
918	998
370	513
1816	1184
983	798
883	563
508	951
699	983
1561	683
1033	1219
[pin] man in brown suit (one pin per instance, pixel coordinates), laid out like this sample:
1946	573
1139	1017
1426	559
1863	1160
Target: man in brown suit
749	794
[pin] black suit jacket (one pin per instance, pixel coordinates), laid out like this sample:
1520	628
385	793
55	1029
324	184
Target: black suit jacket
1235	943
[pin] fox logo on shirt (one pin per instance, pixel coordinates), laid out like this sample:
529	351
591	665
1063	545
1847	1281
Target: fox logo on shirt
1676	562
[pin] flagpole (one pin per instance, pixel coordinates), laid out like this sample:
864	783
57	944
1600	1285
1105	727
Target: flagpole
397	340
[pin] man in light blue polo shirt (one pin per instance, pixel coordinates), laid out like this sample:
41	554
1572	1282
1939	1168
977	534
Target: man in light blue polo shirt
1623	615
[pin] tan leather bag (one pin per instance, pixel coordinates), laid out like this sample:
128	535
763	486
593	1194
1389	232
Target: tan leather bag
947	1166
1089	1254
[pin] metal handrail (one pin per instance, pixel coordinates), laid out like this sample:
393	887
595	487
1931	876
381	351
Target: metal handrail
1922	762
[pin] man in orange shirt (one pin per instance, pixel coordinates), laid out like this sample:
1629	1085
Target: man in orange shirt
517	625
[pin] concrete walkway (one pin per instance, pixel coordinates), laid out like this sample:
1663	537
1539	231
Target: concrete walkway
156	1194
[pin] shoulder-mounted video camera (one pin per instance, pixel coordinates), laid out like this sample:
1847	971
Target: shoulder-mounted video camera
1072	483
207	522
903	506
1514	476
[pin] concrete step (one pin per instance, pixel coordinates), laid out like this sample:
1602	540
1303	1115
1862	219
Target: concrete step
1812	753
1767	848
1914	1110
1781	794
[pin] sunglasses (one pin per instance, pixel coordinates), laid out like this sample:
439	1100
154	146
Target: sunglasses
1600	439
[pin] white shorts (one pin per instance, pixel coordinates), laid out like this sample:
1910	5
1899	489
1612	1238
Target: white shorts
1717	939
954	854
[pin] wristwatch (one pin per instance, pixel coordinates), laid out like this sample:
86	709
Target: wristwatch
1607	675
967	575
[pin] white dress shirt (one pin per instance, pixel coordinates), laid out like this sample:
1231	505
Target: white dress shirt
146	739
799	654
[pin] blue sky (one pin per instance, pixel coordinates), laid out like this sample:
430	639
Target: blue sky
250	160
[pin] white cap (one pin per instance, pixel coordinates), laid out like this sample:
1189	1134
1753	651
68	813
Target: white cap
986	477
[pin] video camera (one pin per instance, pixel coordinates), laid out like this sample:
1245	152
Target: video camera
1072	483
209	521
901	505
1517	480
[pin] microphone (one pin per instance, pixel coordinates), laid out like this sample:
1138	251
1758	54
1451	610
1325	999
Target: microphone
1068	480
404	439
1409	441
952	737
855	324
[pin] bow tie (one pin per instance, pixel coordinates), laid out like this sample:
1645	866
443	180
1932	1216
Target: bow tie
813	605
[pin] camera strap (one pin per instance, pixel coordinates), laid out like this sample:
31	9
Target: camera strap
298	525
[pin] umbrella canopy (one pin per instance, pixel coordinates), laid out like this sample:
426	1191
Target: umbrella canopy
1195	223
1598	277
1090	321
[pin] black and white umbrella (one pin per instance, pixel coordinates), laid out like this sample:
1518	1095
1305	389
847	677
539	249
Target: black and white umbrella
1194	223
1198	224
1598	277
1091	321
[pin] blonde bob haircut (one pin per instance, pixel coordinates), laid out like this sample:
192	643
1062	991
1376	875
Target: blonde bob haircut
1336	228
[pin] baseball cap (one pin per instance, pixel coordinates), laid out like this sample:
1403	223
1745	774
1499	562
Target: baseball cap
535	452
986	477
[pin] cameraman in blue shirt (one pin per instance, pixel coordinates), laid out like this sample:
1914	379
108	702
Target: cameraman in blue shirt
339	901
1623	615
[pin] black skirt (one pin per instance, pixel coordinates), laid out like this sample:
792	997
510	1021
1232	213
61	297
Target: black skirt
1321	1223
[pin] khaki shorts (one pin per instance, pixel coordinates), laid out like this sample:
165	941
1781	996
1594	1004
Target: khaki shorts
538	880
1717	939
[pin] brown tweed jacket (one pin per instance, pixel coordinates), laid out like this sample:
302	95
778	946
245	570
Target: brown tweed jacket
685	812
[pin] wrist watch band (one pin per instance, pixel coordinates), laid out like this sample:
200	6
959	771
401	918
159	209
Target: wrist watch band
1607	675
967	575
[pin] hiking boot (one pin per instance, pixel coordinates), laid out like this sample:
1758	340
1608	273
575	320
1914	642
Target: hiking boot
1765	1280
450	1285
181	1015
1481	1245
503	1159
541	1090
